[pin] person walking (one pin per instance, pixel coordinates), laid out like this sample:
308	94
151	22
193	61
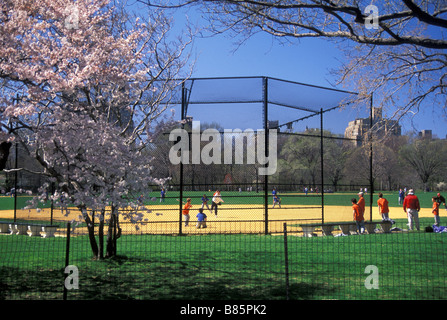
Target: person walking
412	207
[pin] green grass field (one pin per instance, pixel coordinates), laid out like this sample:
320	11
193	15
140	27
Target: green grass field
232	267
296	198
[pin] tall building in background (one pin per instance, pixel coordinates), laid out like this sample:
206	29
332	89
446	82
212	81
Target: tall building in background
426	134
358	129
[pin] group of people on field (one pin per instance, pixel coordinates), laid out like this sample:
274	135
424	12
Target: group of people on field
201	216
410	204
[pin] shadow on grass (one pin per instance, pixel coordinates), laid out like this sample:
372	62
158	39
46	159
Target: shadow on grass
39	284
125	278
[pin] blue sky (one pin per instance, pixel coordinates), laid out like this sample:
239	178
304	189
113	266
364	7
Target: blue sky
305	60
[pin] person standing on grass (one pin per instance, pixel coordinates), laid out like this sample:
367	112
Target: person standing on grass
435	210
185	211
412	207
358	216
401	196
384	210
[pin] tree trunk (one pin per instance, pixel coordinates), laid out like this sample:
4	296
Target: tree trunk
113	234
91	232
101	234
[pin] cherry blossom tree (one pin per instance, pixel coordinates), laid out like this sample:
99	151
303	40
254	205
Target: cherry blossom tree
81	84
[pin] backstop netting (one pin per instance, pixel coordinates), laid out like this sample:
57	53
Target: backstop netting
258	141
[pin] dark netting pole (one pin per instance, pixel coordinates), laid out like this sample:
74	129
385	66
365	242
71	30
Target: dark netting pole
286	261
181	162
371	183
17	99
266	130
15	183
322	165
67	257
52	203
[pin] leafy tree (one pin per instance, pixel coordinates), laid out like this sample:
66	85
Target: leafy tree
426	158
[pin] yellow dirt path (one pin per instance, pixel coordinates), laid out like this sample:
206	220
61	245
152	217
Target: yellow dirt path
231	218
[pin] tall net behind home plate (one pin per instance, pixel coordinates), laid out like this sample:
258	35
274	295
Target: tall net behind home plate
258	141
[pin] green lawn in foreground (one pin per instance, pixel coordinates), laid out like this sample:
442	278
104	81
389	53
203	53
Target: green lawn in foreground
411	265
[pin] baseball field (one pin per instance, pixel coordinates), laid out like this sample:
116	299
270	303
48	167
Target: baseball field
241	212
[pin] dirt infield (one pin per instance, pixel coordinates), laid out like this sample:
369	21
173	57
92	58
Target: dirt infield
164	219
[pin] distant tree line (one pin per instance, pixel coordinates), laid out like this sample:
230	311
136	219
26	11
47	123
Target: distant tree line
397	162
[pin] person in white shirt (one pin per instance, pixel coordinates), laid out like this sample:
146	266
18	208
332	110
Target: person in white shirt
216	201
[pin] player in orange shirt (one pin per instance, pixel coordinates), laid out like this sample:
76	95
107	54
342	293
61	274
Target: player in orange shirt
383	207
358	216
436	211
185	211
361	203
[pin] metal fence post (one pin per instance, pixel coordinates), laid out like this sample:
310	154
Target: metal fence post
266	152
67	257
286	261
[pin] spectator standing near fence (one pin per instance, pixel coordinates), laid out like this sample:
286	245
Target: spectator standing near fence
412	207
358	216
185	211
435	210
384	210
